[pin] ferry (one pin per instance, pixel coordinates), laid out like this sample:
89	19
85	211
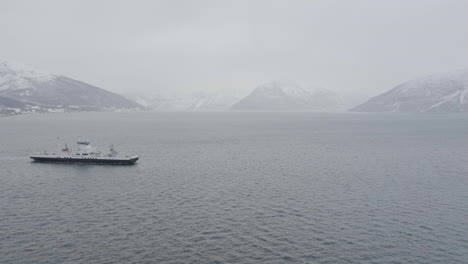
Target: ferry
85	154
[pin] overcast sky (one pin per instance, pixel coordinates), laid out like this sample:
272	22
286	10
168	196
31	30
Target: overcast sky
349	46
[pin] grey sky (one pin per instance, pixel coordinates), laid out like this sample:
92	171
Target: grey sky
363	47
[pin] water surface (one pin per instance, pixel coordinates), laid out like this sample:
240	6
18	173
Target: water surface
238	188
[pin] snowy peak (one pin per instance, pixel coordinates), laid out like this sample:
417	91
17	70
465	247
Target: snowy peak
289	96
27	90
435	84
17	76
445	92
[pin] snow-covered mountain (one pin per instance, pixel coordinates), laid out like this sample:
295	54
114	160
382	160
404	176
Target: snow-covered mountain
290	96
446	92
37	91
171	101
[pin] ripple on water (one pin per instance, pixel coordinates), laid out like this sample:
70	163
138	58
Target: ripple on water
240	188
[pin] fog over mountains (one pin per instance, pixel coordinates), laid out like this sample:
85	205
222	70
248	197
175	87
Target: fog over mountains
171	101
274	96
437	93
290	96
27	90
210	54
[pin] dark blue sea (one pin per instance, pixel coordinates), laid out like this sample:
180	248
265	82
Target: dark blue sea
238	188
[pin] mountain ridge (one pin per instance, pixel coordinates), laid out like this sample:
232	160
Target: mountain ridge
289	96
435	93
49	92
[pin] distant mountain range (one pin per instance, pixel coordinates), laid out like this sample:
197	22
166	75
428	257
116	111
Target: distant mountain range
27	90
438	93
172	101
275	96
290	96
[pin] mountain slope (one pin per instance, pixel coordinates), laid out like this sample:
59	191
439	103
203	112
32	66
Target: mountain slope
10	106
440	93
289	96
31	86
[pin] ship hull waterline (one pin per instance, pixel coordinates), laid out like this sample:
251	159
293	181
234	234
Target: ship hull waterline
101	161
